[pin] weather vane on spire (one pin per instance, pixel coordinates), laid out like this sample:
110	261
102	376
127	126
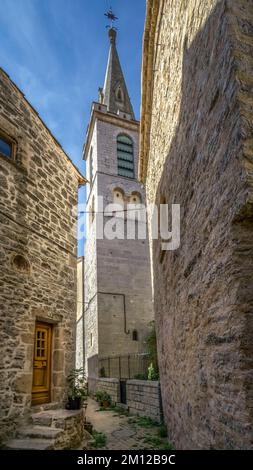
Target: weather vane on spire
110	15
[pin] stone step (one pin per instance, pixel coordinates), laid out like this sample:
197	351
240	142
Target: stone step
44	418
54	418
39	432
46	406
29	444
50	429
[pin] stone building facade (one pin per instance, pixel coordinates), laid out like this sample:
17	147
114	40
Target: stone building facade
118	306
196	150
38	192
80	314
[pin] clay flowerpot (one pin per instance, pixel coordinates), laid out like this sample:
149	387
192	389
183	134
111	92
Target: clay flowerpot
105	404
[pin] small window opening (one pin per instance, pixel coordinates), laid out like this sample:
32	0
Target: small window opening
6	147
118	197
135	335
92	210
119	95
135	198
21	264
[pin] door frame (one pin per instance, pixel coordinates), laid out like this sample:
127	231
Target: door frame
38	397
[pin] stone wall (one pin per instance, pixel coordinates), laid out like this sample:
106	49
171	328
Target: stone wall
143	399
92	385
72	423
197	150
90	283
111	386
69	423
80	314
79	343
38	191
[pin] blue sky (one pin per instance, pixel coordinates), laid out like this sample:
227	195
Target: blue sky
56	52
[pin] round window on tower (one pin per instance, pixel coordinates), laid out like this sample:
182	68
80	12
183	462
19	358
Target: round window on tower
135	198
118	196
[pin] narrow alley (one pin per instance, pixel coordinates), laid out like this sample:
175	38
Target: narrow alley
115	429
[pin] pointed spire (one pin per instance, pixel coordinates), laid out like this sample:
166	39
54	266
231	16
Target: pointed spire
115	94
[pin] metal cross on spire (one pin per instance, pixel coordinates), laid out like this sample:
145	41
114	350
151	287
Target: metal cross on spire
110	15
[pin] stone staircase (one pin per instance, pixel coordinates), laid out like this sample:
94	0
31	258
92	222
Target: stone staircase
51	429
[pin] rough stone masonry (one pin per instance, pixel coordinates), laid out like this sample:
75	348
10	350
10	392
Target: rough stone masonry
38	191
197	150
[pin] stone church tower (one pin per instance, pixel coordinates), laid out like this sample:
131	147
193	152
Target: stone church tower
117	272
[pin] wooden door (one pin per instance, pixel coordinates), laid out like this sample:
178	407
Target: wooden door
42	364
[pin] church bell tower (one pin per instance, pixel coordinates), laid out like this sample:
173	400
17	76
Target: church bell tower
118	306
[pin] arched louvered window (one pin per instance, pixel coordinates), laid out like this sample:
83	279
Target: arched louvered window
125	154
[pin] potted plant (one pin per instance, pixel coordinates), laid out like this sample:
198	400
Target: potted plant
77	391
103	398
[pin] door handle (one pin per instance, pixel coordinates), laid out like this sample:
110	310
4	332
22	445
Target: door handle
40	364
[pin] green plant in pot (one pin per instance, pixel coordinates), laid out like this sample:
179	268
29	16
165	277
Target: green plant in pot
103	398
77	391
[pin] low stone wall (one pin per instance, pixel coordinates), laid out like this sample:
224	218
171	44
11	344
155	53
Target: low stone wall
142	396
72	423
111	386
143	399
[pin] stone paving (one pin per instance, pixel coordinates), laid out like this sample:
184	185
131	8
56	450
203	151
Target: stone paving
124	432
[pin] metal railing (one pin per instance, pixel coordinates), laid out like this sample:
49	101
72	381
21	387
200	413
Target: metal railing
131	366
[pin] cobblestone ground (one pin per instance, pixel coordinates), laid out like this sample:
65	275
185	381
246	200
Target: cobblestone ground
125	432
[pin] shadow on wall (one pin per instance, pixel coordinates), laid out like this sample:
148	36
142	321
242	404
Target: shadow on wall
204	290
